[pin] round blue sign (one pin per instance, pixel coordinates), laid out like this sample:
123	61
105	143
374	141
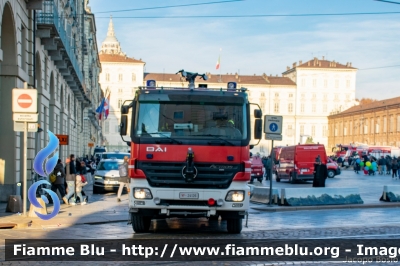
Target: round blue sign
273	127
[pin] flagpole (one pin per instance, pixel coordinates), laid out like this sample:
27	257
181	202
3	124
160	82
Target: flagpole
220	79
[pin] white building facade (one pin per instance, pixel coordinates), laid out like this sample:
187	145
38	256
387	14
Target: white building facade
304	96
120	77
323	87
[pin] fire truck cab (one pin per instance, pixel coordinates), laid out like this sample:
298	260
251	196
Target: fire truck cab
189	153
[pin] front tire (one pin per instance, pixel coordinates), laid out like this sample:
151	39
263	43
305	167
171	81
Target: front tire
234	226
331	174
97	190
292	180
277	177
140	223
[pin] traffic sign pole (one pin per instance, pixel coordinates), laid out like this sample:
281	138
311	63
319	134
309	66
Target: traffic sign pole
25	167
270	176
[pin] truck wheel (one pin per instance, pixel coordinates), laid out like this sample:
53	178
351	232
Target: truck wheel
292	180
234	226
331	174
277	178
140	224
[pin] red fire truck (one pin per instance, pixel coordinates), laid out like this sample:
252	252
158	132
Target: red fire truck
189	152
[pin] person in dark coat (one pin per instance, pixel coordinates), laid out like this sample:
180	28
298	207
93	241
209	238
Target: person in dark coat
267	162
320	173
394	165
60	179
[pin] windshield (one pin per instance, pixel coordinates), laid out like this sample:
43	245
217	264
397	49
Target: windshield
115	155
180	120
109	165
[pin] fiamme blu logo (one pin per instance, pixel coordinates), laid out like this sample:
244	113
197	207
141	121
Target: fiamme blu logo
43	166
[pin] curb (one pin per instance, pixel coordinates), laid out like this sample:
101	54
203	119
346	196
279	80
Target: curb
324	207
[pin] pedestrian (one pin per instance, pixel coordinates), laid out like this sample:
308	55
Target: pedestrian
320	173
123	178
267	162
388	164
394	167
374	167
70	178
60	179
78	189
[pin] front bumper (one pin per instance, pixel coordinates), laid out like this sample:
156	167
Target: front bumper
172	205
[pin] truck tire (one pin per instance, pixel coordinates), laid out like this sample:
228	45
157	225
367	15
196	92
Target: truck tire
292	180
331	173
234	225
140	223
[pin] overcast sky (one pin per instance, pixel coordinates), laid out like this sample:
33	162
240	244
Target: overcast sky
257	45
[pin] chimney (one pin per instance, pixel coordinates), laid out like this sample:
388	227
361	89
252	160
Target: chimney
294	64
236	75
300	62
323	57
287	68
350	64
276	74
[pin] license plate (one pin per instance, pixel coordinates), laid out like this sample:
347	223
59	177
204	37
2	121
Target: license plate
188	195
304	170
108	182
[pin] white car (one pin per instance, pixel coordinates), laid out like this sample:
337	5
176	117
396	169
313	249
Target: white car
114	155
106	177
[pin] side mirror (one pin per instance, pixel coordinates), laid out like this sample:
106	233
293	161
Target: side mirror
123	127
124	109
258	129
257	113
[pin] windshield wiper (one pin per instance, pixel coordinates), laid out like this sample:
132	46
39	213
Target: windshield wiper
164	135
218	137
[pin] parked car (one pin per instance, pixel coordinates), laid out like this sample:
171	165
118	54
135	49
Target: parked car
114	155
333	168
297	162
106	177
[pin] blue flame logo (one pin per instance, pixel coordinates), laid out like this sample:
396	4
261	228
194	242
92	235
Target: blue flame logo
44	167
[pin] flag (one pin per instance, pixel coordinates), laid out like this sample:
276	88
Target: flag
217	66
107	106
100	109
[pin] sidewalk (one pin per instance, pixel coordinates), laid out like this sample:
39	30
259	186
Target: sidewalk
102	208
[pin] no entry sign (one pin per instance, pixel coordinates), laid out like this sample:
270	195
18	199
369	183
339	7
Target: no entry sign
24	101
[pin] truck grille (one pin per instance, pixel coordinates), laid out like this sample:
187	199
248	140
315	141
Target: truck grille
209	175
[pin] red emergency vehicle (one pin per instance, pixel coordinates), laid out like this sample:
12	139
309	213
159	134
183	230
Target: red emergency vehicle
190	152
297	162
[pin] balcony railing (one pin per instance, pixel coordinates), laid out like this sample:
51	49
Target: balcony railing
50	16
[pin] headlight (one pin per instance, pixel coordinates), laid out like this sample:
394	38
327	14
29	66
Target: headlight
235	195
98	177
142	193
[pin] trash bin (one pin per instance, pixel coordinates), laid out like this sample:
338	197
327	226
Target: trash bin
14	204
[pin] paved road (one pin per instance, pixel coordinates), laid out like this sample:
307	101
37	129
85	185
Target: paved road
373	223
370	187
